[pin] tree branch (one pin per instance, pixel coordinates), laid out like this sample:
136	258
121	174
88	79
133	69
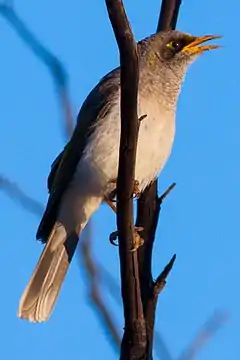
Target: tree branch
149	206
134	339
168	15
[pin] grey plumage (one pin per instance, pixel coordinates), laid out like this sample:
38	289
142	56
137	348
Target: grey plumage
80	175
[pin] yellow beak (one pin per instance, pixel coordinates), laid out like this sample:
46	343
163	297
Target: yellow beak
194	47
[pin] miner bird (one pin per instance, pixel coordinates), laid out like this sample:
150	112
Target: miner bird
80	176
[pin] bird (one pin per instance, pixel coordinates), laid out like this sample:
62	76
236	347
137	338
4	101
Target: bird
80	177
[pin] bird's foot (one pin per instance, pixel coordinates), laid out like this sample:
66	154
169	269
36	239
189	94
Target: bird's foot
136	190
113	194
138	241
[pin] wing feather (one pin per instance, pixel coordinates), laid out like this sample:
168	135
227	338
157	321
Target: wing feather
96	106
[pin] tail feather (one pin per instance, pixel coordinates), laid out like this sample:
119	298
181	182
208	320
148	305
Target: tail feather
42	291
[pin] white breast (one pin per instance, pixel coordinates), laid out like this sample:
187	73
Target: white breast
155	141
99	163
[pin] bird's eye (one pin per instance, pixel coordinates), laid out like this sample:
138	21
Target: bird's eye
174	45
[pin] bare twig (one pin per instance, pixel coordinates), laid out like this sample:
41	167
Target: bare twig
161	279
95	289
53	64
216	321
18	195
166	193
134	339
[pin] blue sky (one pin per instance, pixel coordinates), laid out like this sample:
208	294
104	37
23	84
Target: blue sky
200	219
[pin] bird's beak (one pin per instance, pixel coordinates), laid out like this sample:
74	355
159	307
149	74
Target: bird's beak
194	48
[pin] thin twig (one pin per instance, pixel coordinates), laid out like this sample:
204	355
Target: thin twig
216	321
166	193
95	289
53	64
161	279
18	195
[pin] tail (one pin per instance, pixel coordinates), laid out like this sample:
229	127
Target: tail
41	293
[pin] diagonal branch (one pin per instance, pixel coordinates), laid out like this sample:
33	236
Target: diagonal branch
213	324
53	64
93	271
161	279
19	196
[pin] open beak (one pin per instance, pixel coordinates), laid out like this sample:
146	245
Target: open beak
194	48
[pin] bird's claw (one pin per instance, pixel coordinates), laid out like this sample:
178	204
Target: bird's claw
113	194
138	241
136	190
113	237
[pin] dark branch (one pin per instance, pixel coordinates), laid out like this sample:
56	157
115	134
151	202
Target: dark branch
161	279
168	15
149	206
134	340
166	193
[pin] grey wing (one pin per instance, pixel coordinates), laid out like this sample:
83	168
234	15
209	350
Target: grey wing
53	171
96	105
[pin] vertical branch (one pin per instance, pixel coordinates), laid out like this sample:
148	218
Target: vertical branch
148	209
134	340
168	15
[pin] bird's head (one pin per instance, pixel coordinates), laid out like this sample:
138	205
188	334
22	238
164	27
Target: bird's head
168	54
177	48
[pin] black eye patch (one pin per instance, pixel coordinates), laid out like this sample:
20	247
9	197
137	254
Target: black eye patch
174	46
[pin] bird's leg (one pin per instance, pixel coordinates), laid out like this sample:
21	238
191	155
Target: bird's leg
110	199
136	190
138	241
